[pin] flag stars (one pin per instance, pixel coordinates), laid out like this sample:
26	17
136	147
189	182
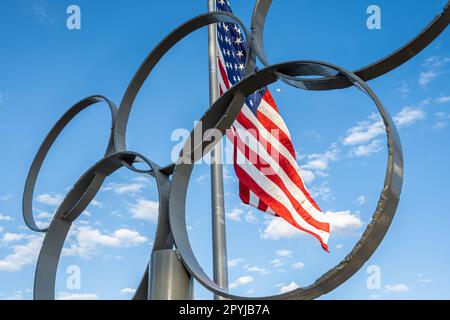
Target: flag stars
241	66
238	41
221	2
240	54
225	27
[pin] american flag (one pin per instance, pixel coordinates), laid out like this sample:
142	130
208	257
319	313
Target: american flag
264	157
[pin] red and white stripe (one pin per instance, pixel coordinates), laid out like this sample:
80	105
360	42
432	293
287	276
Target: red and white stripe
267	169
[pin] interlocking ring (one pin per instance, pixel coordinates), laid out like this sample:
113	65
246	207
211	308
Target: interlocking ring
27	201
369	72
374	232
116	157
171	227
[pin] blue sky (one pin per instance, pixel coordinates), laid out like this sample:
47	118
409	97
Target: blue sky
45	68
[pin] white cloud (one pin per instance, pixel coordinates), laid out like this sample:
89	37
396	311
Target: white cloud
339	246
124	188
256	269
436	61
241	281
278	229
284	253
425	280
440	125
251	217
16	295
37	9
127	291
87	213
434	66
89	240
146	210
425	102
361	200
238	215
96	203
76	296
427	76
365	131
277	262
202	179
321	161
298	265
401	287
6	197
52	200
308	176
44	215
408	116
442	100
292	286
343	222
367	150
5	218
404	90
12	237
22	255
322	191
317	164
234	262
235	214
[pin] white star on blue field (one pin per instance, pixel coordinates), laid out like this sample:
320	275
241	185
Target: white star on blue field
46	68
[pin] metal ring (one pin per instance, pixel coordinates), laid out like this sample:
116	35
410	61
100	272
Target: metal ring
27	201
226	109
47	264
116	157
369	72
155	56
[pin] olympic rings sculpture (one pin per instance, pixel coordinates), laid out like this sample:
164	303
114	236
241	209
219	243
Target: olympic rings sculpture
173	179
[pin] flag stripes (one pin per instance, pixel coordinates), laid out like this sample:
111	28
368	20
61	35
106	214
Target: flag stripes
264	157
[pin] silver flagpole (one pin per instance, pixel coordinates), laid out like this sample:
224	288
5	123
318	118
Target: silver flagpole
220	263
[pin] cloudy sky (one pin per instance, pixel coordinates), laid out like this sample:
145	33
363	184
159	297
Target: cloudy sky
45	68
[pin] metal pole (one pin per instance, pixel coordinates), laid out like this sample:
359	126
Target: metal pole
169	279
217	195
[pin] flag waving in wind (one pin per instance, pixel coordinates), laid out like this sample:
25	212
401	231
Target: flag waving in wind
264	157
